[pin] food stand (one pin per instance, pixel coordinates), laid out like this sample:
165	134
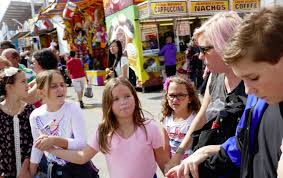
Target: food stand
159	19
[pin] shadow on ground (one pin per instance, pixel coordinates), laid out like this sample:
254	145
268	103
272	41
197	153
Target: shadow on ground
156	98
92	105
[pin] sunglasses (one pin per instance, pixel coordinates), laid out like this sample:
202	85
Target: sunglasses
205	49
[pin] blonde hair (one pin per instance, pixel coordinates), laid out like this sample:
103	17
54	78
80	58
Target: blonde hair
218	29
109	121
45	78
4	61
260	37
195	102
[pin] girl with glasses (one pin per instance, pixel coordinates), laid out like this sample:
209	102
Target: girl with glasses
179	108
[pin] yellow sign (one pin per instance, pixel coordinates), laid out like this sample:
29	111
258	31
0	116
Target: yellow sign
209	6
143	10
175	7
245	5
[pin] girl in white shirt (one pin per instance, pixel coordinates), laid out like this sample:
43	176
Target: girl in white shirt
179	108
119	63
56	123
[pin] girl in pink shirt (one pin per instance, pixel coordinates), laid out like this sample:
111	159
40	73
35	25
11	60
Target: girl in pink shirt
132	145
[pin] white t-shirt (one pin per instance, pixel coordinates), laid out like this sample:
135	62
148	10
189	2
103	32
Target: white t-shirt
134	156
120	65
177	131
67	122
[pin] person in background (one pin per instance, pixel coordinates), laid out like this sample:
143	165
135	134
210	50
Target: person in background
41	60
14	114
131	144
169	51
179	108
44	59
5	45
119	63
14	57
195	64
78	76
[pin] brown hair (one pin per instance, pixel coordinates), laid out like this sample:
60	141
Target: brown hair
259	37
45	77
4	80
109	122
195	103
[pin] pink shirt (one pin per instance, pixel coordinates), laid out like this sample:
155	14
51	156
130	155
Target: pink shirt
133	157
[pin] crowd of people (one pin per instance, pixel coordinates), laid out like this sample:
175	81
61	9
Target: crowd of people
236	131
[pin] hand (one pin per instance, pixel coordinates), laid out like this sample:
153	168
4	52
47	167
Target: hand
44	142
175	172
189	165
24	172
174	161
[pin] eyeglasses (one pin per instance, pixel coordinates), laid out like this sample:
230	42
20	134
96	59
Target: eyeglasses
205	49
180	96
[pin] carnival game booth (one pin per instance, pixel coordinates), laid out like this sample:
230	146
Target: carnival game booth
84	31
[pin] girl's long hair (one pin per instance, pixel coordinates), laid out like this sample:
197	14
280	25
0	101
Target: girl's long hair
113	61
195	102
109	121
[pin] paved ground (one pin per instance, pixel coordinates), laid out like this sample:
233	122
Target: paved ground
151	102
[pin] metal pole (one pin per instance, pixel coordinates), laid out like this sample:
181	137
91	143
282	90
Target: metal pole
32	8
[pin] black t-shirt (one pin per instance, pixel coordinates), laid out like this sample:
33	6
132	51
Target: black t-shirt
270	136
218	93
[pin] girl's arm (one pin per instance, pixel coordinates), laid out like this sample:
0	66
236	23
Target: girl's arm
198	122
32	96
77	157
79	141
161	157
45	142
33	169
166	142
125	70
25	171
124	67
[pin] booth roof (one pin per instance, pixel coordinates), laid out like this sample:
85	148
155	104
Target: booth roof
57	7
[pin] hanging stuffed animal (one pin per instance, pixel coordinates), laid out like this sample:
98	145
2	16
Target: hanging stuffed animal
103	36
69	10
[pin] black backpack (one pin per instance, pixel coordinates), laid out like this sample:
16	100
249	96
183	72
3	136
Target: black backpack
226	120
132	77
